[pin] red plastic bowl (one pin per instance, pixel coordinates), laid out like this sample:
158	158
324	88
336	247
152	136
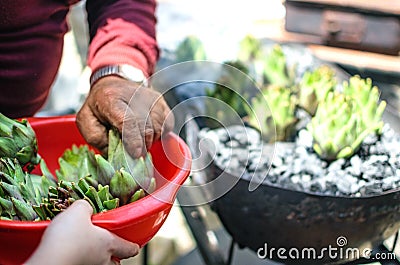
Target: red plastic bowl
137	222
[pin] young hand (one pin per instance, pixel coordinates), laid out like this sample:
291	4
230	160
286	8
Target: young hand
72	239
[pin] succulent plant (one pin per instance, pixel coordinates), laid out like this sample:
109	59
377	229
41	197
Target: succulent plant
191	48
273	113
338	128
315	86
366	97
250	49
18	140
251	54
230	88
276	70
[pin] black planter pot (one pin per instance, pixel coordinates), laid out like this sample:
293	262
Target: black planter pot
270	218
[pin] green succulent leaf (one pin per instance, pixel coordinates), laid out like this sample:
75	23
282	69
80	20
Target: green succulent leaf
18	140
137	195
273	113
105	170
340	124
111	204
122	186
276	70
191	48
366	97
315	86
24	210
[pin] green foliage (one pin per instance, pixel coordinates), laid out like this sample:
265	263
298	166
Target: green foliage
340	120
18	140
276	70
230	89
366	97
250	49
77	163
339	127
315	86
190	49
273	113
20	191
104	183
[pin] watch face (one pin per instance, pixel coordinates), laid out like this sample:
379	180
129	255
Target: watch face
132	73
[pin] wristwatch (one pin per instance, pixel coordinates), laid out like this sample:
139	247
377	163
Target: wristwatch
123	70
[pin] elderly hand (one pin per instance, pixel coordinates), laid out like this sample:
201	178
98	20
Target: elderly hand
72	239
141	121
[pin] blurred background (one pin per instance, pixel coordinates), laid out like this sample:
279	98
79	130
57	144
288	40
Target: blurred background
220	25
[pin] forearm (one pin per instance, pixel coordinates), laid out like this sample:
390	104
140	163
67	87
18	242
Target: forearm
122	32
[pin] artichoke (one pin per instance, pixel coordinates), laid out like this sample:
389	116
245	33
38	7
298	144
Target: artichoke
105	171
123	186
61	197
77	163
18	191
120	172
273	113
82	175
315	86
18	140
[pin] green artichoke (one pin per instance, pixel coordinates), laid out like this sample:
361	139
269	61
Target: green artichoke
61	197
77	163
18	140
120	172
104	183
18	192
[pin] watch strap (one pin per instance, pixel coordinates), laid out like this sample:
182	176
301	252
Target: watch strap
125	71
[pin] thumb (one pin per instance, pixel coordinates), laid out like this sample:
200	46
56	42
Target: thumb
79	211
122	248
81	207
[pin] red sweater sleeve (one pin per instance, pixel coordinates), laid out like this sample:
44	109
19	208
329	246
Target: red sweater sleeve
122	31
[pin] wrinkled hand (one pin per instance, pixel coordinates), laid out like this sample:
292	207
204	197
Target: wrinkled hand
139	113
72	239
